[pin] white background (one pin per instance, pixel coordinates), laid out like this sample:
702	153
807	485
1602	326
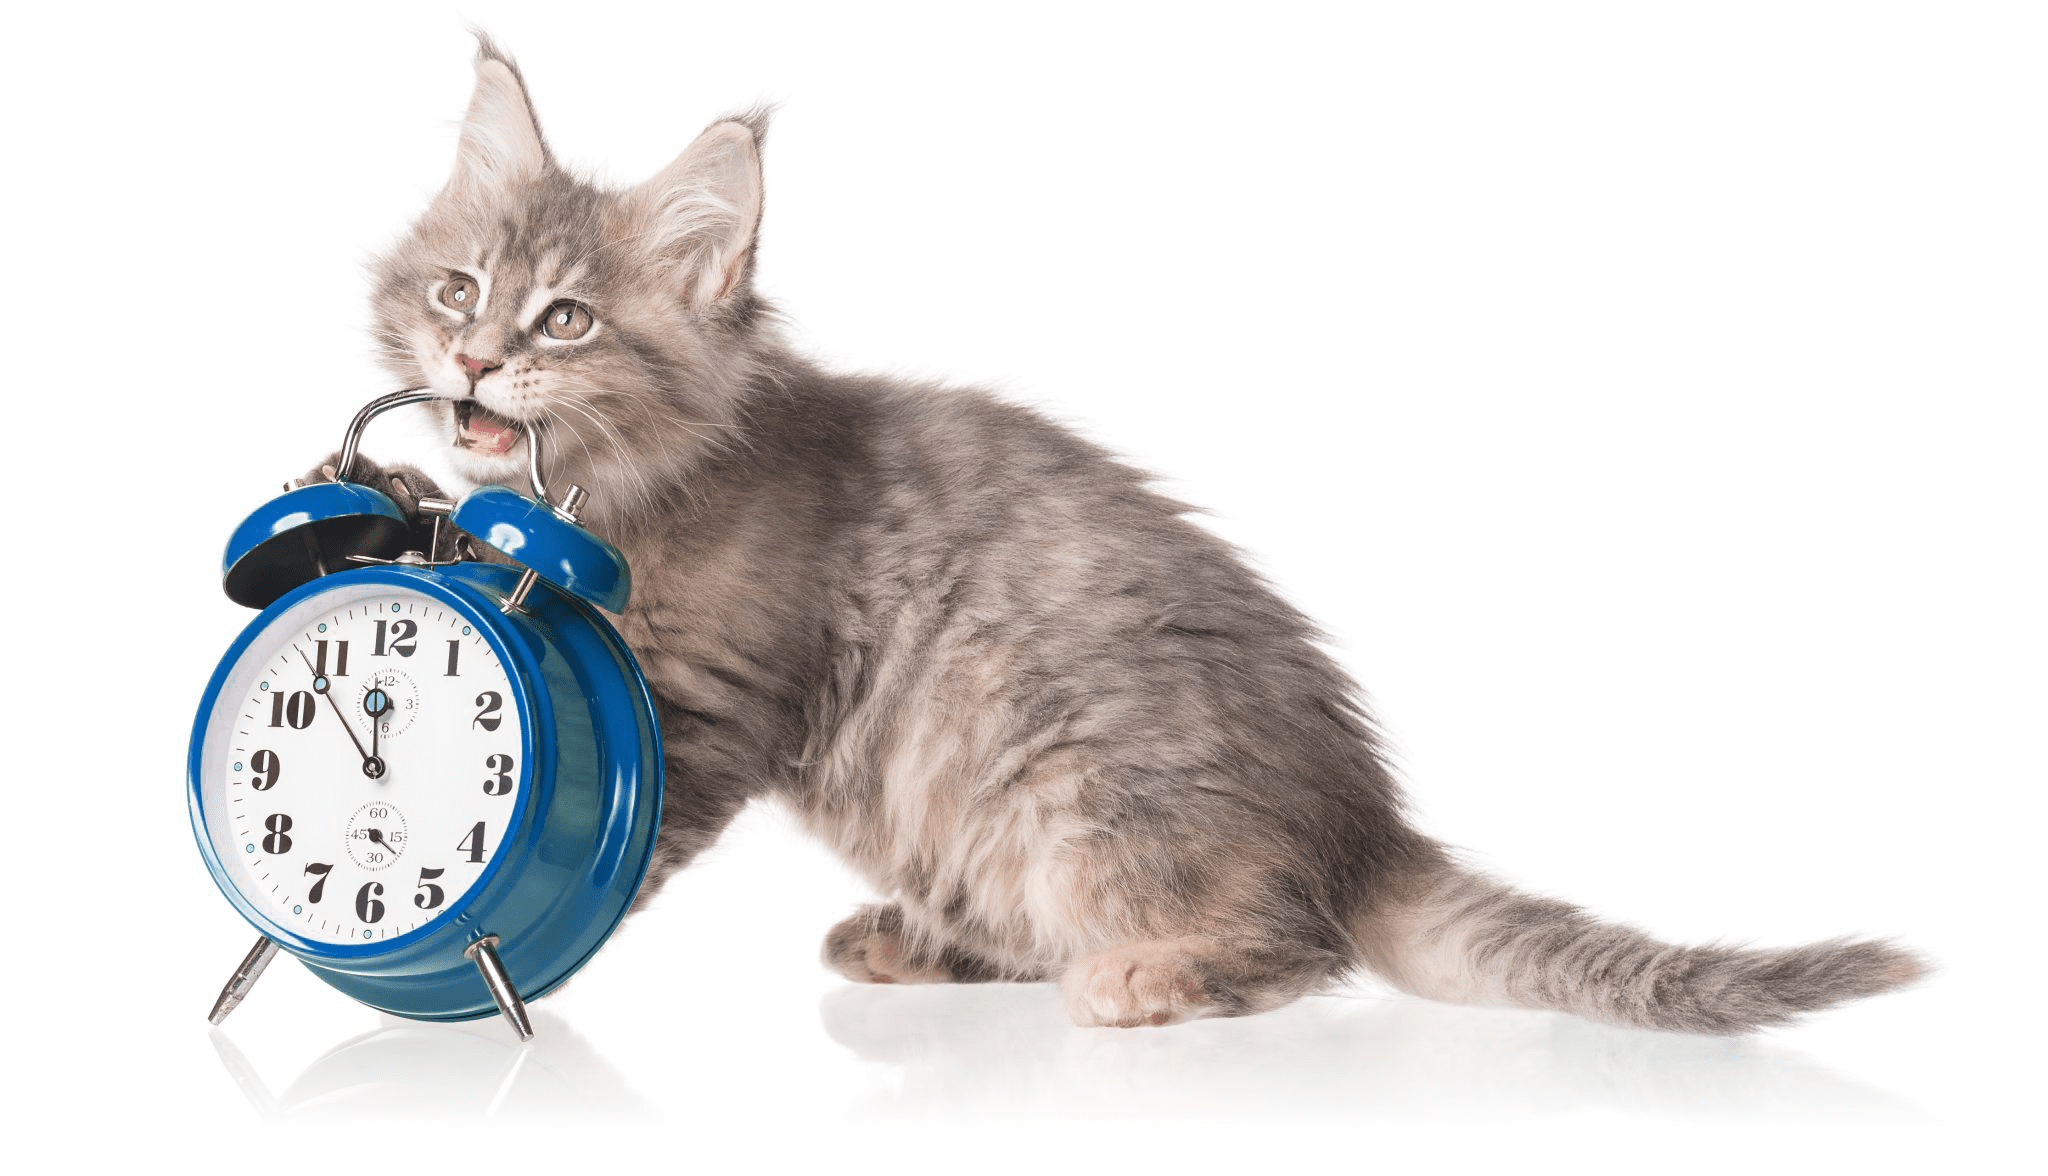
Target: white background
1647	398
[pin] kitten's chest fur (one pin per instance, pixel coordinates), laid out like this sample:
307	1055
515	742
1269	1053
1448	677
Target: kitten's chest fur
882	610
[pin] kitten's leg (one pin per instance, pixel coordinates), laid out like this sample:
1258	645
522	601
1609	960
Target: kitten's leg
1166	981
873	946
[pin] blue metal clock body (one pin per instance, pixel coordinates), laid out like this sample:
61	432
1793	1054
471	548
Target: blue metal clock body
573	842
567	871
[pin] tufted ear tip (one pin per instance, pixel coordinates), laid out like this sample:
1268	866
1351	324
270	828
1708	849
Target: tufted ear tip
501	140
754	119
703	209
487	49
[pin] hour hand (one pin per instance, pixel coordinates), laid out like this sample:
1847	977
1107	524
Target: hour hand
376	704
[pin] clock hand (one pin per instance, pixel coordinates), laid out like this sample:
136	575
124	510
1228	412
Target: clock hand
376	704
372	766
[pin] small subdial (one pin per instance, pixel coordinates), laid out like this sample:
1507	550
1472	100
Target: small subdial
390	700
376	835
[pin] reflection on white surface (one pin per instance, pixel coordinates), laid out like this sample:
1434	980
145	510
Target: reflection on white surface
1009	1049
474	1071
959	1053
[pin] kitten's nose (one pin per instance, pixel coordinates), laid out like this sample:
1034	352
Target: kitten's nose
477	368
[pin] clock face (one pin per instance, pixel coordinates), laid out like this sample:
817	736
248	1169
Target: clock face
362	764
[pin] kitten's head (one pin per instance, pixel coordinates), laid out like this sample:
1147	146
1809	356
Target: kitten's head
622	322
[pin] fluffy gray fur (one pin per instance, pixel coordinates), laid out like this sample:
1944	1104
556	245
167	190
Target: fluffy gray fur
1067	732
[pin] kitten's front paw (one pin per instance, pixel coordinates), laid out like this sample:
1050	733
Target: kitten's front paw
1137	984
404	484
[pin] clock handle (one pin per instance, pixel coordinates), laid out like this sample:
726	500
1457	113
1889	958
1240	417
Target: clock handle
485	954
565	510
354	437
243	980
362	421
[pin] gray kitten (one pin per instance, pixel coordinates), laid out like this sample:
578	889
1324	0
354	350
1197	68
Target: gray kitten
1069	733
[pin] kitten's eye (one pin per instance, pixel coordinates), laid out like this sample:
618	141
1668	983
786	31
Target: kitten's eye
460	294
565	320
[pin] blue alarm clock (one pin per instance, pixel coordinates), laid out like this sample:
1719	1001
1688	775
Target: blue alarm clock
436	783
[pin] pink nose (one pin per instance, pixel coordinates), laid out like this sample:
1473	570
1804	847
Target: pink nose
477	367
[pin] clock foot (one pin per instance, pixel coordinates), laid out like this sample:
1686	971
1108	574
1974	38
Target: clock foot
244	979
485	952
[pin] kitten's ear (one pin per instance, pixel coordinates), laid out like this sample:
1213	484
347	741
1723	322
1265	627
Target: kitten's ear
701	211
501	141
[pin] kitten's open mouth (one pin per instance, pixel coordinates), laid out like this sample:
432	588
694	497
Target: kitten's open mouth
482	431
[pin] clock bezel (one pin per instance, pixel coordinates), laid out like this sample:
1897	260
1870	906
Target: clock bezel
535	717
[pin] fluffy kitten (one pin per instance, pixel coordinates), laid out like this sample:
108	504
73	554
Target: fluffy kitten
1067	732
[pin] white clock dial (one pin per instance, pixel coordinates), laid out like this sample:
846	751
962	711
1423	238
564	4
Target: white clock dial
363	764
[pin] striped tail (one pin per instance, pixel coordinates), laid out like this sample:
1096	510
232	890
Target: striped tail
1462	937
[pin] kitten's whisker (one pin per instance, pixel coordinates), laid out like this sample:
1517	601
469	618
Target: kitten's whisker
578	385
570	382
617	442
589	413
562	425
583	442
564	389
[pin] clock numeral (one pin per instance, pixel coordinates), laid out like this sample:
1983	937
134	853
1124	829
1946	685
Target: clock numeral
296	710
276	842
473	845
265	766
368	909
454	653
320	659
488	718
318	870
433	895
501	783
398	640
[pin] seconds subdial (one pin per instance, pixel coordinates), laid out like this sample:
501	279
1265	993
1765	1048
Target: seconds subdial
376	835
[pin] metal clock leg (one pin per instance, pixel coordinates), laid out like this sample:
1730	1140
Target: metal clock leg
485	952
244	979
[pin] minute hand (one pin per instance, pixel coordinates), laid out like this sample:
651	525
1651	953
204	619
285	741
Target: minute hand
372	766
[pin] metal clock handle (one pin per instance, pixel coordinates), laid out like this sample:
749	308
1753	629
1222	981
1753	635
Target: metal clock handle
362	420
571	501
